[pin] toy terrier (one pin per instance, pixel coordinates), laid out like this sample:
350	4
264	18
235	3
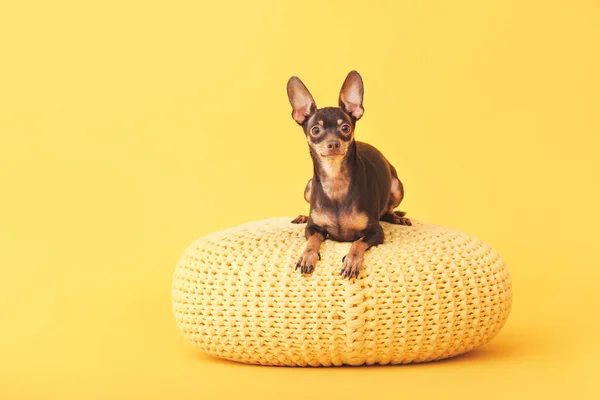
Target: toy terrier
353	187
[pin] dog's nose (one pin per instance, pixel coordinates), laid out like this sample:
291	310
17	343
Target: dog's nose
333	144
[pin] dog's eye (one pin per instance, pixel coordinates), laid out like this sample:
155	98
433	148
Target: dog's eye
315	130
346	128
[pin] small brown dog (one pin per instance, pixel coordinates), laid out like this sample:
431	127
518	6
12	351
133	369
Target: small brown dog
353	187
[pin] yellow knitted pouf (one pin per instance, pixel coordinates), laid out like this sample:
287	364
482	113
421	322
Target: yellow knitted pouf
425	294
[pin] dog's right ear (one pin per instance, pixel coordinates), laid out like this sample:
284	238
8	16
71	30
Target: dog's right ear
301	100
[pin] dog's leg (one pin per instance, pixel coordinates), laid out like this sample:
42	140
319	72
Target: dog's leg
396	196
352	262
302	219
311	254
308	191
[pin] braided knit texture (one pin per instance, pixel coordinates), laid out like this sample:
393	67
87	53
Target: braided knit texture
426	293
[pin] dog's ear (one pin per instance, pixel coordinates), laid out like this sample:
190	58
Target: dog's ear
351	95
301	100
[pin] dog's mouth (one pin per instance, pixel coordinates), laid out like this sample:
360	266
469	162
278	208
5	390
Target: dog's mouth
333	153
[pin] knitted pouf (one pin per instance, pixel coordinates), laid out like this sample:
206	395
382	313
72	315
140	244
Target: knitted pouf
425	294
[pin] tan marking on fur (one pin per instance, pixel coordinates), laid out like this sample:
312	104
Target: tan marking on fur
395	195
339	121
336	189
308	191
335	182
323	219
344	227
353	221
358	248
321	122
354	259
314	242
332	167
310	256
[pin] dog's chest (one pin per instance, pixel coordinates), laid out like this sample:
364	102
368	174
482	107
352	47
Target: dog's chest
346	225
334	179
335	188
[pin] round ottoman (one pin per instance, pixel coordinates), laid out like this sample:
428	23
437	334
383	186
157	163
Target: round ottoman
425	294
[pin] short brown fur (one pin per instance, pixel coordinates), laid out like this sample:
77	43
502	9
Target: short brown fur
353	187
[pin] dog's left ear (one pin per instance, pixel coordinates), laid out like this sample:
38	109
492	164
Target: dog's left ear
351	95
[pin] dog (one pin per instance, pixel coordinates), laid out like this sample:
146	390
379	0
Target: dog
354	186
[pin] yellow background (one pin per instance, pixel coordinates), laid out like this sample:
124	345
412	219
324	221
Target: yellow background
128	129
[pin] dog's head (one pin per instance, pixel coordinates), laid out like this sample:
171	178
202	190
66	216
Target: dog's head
329	131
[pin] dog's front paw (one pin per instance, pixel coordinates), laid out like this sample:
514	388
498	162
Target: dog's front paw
307	261
351	266
300	219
